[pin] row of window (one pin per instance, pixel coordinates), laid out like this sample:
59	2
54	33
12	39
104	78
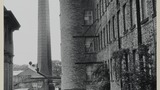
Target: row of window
113	29
99	11
103	4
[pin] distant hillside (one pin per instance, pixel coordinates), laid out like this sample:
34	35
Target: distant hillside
19	67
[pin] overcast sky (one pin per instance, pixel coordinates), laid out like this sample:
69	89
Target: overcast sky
25	39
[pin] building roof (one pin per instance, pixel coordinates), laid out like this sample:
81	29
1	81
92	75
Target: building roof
22	89
30	72
15	73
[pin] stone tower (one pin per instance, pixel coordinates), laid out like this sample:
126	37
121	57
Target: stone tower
44	47
72	49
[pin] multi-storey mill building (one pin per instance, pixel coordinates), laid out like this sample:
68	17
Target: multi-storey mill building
121	33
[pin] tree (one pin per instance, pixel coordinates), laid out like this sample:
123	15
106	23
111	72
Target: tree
101	77
56	68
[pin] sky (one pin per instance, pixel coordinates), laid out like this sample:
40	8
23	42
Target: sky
25	39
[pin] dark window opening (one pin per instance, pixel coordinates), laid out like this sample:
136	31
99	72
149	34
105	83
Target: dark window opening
117	3
101	40
97	11
124	17
143	9
100	7
104	37
154	7
131	12
109	28
107	34
113	28
111	69
118	29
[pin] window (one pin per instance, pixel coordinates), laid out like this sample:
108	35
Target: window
109	28
97	11
104	37
89	71
126	69
117	2
107	33
144	63
113	28
88	18
118	29
124	17
132	12
134	59
102	2
118	16
115	65
95	14
126	63
100	9
104	5
143	9
94	44
154	7
101	40
111	69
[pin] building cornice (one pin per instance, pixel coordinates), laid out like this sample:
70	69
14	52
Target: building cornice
11	20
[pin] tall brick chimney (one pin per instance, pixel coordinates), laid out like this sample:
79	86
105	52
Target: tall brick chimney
44	46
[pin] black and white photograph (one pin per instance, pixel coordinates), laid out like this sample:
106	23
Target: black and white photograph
80	45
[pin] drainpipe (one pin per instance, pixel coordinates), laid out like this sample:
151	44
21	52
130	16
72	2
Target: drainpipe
139	37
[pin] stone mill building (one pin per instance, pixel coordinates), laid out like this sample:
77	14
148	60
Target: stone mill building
119	35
